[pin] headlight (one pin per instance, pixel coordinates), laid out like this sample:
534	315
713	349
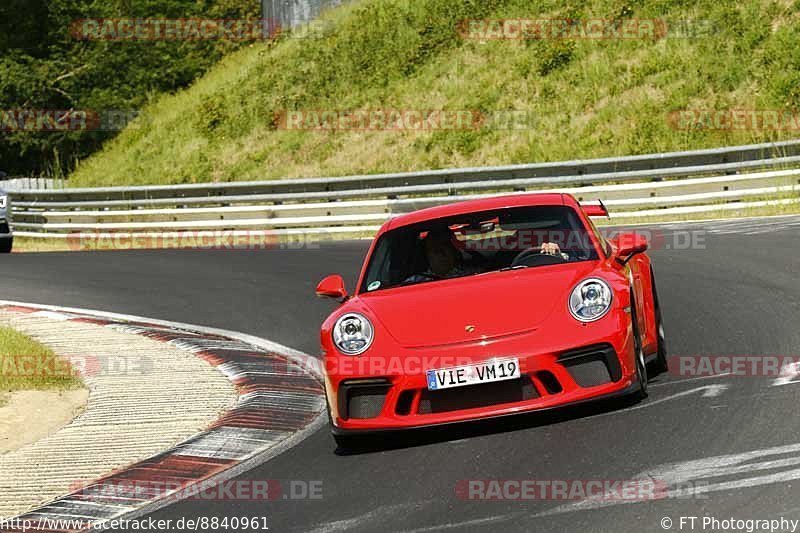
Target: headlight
353	334
590	300
3	201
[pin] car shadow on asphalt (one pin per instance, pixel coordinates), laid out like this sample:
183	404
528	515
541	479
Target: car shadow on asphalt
394	440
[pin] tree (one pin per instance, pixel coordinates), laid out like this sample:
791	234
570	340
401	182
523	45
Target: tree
44	67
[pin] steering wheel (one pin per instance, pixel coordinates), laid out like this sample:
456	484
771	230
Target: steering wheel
534	257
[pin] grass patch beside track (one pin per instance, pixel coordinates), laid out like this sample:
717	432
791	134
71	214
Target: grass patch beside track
26	364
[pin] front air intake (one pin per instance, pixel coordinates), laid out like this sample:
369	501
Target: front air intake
592	366
362	398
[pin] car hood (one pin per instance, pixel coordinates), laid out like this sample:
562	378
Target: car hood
495	304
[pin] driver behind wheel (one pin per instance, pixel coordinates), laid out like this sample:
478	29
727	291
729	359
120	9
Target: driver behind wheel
445	260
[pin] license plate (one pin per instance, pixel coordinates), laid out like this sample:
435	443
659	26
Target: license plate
461	376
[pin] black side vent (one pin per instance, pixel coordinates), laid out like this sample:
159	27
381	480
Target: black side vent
362	398
592	365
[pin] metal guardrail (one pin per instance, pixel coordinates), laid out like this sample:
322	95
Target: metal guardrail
626	184
579	171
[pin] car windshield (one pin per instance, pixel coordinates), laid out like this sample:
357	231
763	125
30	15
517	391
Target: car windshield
478	243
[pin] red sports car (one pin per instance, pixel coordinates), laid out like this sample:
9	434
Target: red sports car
486	308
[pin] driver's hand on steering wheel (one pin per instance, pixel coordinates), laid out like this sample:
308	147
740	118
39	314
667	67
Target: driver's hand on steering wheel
550	248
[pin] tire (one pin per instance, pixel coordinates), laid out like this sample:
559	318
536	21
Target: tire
641	365
6	245
660	365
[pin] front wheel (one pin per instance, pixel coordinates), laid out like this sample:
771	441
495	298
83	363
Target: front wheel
6	245
660	365
641	375
638	352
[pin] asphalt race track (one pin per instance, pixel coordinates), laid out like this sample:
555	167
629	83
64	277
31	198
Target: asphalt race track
735	294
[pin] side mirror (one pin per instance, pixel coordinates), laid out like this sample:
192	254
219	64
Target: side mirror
628	245
332	287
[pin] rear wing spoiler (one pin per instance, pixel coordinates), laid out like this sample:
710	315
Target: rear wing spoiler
595	210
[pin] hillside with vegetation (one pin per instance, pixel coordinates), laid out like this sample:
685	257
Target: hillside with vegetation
46	66
582	97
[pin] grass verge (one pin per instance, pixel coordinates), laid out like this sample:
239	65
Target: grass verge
26	364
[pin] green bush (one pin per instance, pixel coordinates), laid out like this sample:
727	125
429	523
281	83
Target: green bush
554	55
43	66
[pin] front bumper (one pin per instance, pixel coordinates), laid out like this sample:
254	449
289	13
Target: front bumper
632	388
371	397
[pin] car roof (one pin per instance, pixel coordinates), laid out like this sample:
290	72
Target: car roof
480	204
